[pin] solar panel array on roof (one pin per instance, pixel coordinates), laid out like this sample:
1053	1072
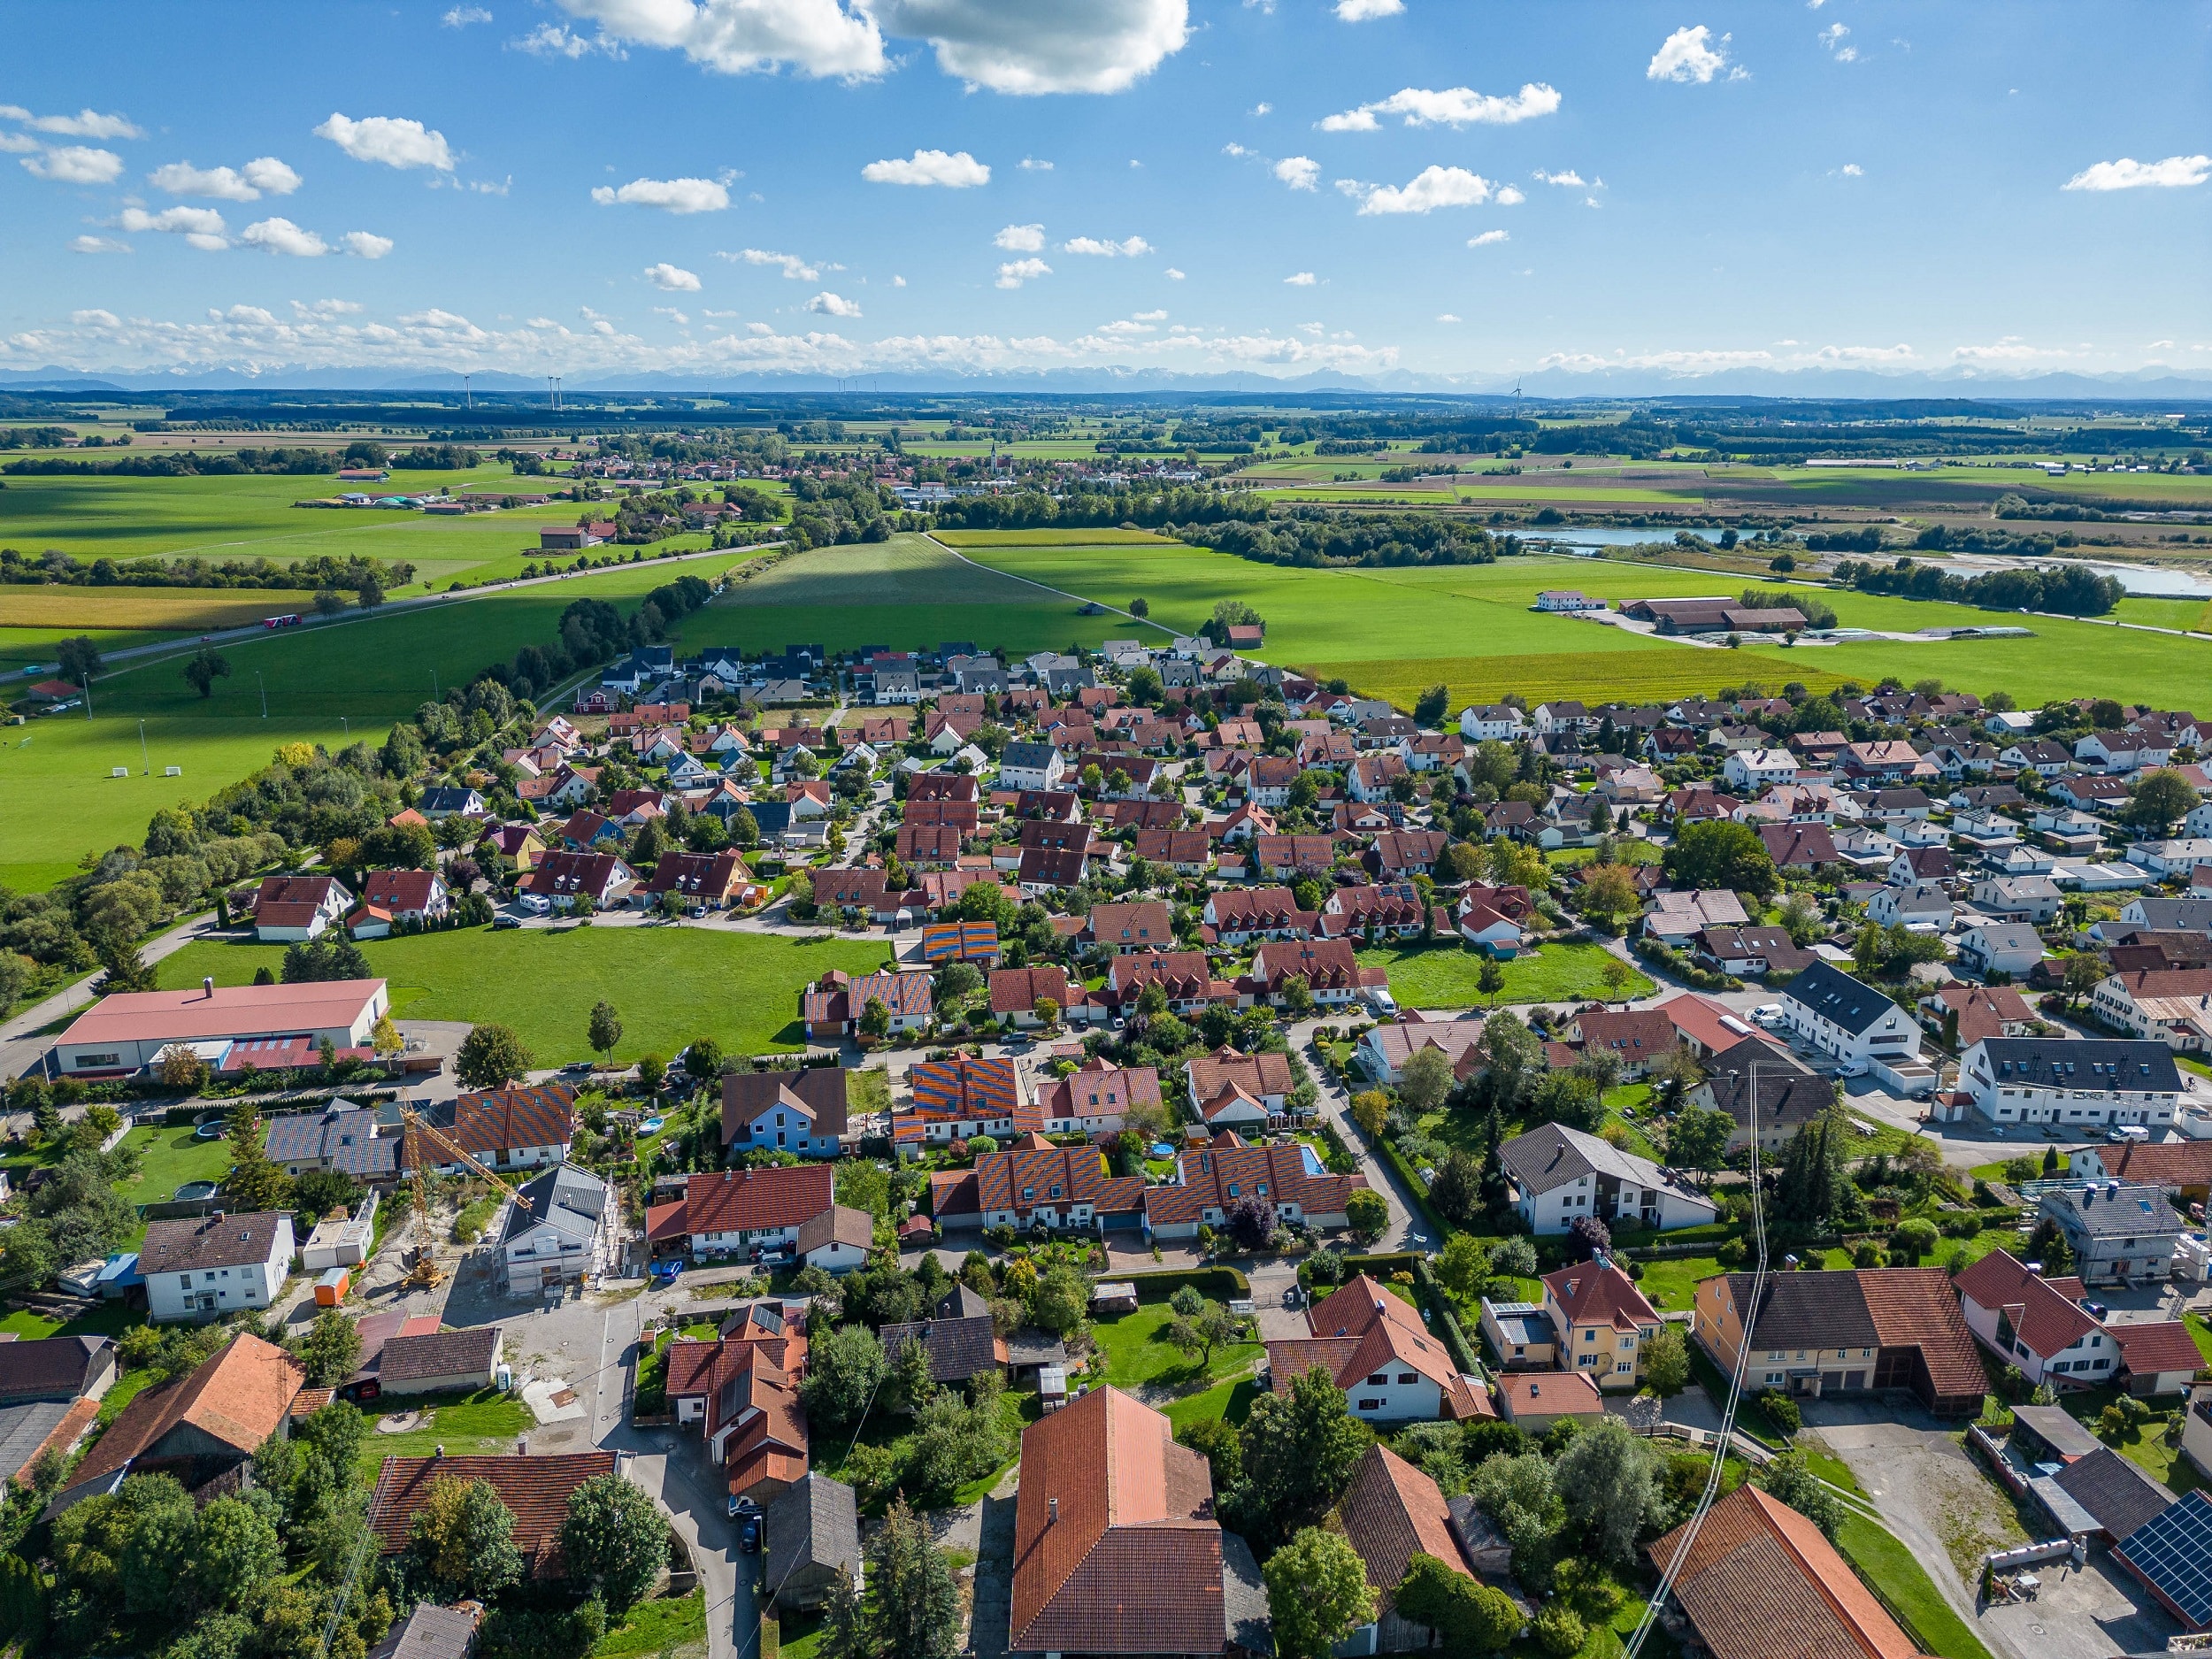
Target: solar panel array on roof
2172	1553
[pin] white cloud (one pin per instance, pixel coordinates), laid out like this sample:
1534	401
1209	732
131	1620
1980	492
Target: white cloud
389	140
1299	173
1301	279
1016	271
2010	349
1833	37
1429	189
1161	316
201	226
325	308
281	236
830	305
1365	10
1510	196
95	319
1128	248
2126	173
1234	148
1130	325
1021	239
1030	163
736	37
1452	106
681	319
1852	170
1688	54
1023	47
674	196
75	163
958	171
1173	274
1488	238
794	268
1571	178
1863	354
105	244
1263	108
84	123
461	17
671	279
898	282
18	144
364	244
264	173
1446	317
551	40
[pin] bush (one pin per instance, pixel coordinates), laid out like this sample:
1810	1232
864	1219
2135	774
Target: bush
1559	1629
1781	1411
1915	1237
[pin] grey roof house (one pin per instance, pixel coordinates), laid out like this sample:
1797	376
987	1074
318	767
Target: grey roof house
813	1536
557	1232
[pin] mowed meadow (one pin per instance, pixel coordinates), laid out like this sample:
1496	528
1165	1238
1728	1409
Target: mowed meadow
324	682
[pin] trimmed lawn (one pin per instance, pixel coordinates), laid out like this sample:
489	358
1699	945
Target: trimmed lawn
1137	1352
1230	1400
1896	1576
671	984
1447	975
475	1425
655	1627
109	1318
171	1158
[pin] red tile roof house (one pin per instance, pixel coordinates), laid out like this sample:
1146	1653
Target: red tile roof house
928	846
2036	1324
1374	1347
591	881
1116	1547
401	897
1286	858
1143	926
198	1428
1399	855
287	909
507	1128
1383	1052
1014	993
1237	916
1390	910
1603	1322
803	1111
1759	1580
536	1489
1329	967
1640	1038
1216	1177
1184	975
1093	1098
1390	1513
1230	1089
832	1006
960	1098
735	1211
120	1033
1035	1184
1186	852
698	1371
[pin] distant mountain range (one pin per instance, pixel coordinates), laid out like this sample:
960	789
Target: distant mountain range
2156	385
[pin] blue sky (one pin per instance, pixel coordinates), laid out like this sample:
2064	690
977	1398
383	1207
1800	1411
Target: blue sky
1276	187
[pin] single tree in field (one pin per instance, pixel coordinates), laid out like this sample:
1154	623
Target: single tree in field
204	667
78	659
1490	980
604	1029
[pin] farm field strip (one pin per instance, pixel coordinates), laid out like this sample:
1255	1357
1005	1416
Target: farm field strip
183	609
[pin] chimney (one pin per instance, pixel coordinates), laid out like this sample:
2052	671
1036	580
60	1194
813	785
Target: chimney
1052	1511
438	1450
207	987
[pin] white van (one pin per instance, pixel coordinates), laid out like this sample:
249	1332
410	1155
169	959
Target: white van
2127	1131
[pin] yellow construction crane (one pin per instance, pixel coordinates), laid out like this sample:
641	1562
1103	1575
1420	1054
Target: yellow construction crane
426	1274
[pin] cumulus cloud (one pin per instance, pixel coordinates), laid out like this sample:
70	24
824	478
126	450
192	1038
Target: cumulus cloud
1571	178
97	244
1299	173
552	40
1031	164
325	308
364	244
461	17
1510	196
1173	274
2010	349
673	195
226	184
2127	173
1488	238
958	171
18	144
281	236
389	140
201	226
1024	48
1301	279
76	163
1852	170
1016	271
736	37
1429	189
1865	354
1365	10
830	304
1161	316
1021	239
671	279
794	268
1452	106
1129	248
1833	37
1446	317
1691	54
84	123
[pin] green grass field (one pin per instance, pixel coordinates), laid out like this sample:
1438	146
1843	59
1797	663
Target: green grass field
1447	975
674	1624
670	984
325	683
472	1425
1897	1576
1138	1353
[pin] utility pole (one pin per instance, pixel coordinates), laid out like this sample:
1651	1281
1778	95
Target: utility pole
143	759
264	685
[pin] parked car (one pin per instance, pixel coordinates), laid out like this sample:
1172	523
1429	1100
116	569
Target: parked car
664	1273
505	920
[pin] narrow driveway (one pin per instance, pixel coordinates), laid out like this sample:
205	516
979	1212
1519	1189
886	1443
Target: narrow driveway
1404	1231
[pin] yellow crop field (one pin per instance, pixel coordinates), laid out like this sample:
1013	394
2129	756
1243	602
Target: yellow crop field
1593	678
182	610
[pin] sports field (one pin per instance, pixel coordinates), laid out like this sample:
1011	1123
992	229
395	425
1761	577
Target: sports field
324	682
669	984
